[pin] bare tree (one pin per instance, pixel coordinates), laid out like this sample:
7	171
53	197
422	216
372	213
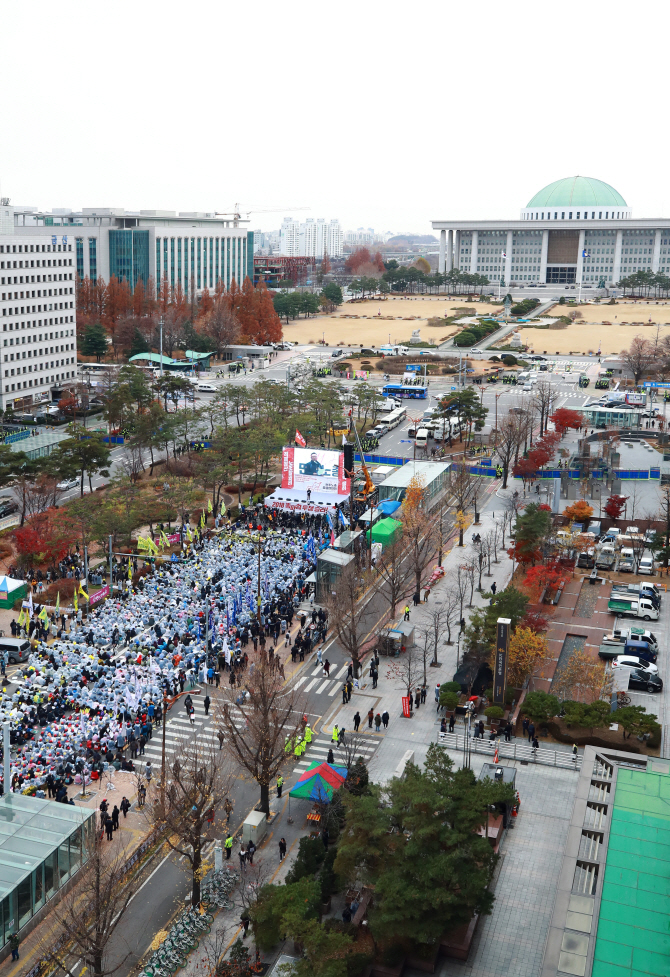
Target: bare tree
512	432
222	326
470	569
196	783
491	540
261	724
407	670
87	917
463	487
432	631
394	571
348	614
461	585
638	357
544	395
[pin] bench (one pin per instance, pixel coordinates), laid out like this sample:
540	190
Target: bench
361	912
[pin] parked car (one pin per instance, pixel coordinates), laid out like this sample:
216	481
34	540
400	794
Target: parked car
68	483
647	565
646	681
7	508
337	352
629	661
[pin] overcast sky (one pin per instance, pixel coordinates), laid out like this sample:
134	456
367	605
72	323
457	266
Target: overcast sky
382	115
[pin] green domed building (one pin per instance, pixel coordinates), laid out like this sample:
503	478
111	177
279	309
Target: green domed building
575	231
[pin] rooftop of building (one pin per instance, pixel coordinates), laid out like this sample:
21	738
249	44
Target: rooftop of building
577	191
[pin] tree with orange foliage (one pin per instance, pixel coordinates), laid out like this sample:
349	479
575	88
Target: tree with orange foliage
579	511
325	264
542	577
221	325
527	651
206	304
118	302
254	310
358	258
420	532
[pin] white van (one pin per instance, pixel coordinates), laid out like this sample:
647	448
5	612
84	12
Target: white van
646	565
207	388
421	439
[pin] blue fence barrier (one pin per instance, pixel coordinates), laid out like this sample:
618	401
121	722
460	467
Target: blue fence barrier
381	459
114	439
630	474
18	436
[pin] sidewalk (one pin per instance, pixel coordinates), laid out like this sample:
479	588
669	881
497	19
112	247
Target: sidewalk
421	730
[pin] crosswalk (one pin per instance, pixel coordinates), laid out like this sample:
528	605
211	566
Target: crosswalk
318	750
318	683
178	731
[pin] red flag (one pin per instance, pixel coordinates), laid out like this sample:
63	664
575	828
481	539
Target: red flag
299	439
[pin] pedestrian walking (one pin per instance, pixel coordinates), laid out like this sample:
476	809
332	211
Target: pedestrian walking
115	817
191	715
371	717
524	726
330	758
141	795
282	849
220	738
14	943
109	828
437	697
357	721
148	772
385	718
244	919
326	668
125	806
406	617
531	731
535	743
228	845
206	703
416	598
452	723
378	721
335	735
494	587
243	859
423	694
340	736
344	695
251	850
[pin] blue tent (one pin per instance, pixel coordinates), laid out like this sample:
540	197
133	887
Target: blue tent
389	506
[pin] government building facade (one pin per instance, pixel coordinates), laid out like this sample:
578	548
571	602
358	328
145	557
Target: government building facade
577	230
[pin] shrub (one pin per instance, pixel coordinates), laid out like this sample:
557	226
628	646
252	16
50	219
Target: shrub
494	359
65	587
561	301
509	360
466	338
525	306
311	855
494	712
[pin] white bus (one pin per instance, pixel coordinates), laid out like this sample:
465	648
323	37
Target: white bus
393	419
421	439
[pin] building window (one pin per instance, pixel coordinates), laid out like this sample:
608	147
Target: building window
158	263
80	256
93	258
199	277
179	260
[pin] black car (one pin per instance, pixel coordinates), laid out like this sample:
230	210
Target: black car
647	681
8	508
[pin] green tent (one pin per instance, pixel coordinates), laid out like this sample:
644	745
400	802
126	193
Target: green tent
386	531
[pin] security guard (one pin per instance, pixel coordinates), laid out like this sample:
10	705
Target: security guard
280	784
228	845
499	471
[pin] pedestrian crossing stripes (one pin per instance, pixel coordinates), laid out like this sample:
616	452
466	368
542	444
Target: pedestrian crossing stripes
319	683
179	730
318	750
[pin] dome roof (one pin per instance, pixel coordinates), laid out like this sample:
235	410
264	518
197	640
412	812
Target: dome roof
578	191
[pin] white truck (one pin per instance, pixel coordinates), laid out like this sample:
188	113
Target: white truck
642	607
624	635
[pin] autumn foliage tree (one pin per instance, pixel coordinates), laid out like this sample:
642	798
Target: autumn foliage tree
45	538
542	577
361	262
527	651
615	505
565	419
579	511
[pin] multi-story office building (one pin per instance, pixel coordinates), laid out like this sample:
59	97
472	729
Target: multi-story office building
576	230
193	250
37	312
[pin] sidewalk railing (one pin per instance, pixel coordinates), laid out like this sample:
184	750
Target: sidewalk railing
512	751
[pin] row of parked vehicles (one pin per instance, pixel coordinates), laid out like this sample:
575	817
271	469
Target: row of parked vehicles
632	653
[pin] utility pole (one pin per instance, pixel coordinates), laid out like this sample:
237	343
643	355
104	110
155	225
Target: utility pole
160	327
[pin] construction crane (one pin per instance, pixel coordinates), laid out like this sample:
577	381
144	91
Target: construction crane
369	488
237	213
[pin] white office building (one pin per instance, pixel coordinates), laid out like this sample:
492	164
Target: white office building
193	250
576	230
37	312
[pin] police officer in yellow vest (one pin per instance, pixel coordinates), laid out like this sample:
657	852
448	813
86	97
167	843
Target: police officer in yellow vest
297	751
308	734
280	784
336	734
228	845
